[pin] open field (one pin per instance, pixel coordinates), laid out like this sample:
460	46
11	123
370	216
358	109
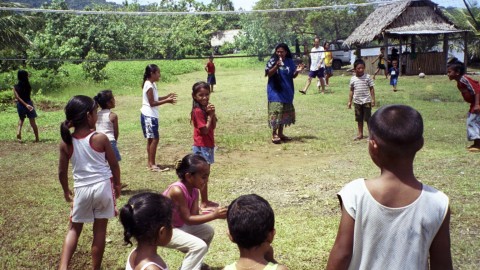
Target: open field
299	178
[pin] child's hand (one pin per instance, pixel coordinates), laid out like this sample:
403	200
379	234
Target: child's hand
210	109
300	67
349	105
118	189
68	196
29	107
476	109
373	103
172	98
220	212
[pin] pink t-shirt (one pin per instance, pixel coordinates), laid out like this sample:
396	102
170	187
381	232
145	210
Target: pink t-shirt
190	198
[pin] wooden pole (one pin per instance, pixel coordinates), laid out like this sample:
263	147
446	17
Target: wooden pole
465	49
445	51
400	57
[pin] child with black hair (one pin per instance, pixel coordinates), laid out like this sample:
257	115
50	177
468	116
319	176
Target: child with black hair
25	109
393	221
107	121
251	225
191	234
470	90
147	217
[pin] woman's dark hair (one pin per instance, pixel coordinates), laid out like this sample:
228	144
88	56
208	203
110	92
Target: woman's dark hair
189	164
152	68
195	89
285	47
76	115
103	97
143	216
358	62
23	83
456	65
325	43
250	219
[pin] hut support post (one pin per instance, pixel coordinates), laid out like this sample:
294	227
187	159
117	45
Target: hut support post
385	53
445	50
400	56
465	49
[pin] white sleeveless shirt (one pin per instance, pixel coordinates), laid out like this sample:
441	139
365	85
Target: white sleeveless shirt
392	238
104	125
89	166
146	109
129	267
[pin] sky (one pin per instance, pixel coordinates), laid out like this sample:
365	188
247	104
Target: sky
248	4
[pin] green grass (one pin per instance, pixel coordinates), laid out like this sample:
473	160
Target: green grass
300	179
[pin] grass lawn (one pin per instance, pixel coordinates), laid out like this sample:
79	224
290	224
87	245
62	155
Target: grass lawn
300	178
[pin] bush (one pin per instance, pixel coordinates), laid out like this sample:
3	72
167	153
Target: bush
95	69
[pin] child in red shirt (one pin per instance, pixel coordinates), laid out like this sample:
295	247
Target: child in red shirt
210	69
470	90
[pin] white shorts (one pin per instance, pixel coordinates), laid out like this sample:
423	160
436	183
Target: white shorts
92	202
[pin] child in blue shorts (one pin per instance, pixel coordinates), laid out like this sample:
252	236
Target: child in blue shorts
394	72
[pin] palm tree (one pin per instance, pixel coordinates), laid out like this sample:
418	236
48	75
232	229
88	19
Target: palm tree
11	23
223	5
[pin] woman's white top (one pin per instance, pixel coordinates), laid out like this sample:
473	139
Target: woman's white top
89	166
104	125
392	238
129	267
146	109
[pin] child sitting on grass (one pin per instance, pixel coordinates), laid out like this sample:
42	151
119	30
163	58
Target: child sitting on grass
393	221
251	225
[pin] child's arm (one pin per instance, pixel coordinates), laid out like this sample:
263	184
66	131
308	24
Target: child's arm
211	119
191	216
476	107
28	106
342	250
64	157
372	94
440	255
350	97
170	98
373	62
101	143
114	120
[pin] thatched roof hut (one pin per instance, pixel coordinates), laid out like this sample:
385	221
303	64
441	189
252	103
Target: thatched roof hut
403	20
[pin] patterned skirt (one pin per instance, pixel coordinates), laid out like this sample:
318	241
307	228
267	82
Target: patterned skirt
280	114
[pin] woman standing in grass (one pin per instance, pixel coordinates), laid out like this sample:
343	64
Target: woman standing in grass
96	176
22	91
149	113
281	70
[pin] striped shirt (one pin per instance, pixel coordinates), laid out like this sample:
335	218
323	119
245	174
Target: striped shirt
361	89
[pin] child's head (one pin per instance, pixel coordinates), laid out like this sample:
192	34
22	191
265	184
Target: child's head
200	94
105	99
326	45
397	130
455	69
251	221
79	111
152	72
359	67
382	49
394	63
210	58
22	75
193	169
148	218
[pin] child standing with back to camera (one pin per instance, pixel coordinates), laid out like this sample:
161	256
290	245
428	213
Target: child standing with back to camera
470	90
191	234
204	122
149	117
96	177
392	221
147	217
362	94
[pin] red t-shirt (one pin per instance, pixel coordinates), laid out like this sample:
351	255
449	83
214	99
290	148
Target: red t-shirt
200	121
210	68
469	88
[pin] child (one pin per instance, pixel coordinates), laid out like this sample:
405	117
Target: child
96	177
107	122
393	221
210	69
328	64
363	95
25	108
381	63
149	113
251	225
204	121
148	218
470	90
190	233
393	72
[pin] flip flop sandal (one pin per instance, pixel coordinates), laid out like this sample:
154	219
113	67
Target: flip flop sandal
158	169
276	140
285	139
303	92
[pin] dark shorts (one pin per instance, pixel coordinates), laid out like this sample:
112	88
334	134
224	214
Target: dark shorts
211	79
381	66
363	112
320	73
115	150
393	81
329	70
24	112
149	127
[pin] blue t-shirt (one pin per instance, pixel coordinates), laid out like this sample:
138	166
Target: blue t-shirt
393	72
280	86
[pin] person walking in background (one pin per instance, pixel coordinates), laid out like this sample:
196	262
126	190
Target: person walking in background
328	64
204	122
191	234
96	177
149	113
251	225
210	69
470	90
362	93
392	221
281	70
317	67
381	63
147	217
394	72
22	92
